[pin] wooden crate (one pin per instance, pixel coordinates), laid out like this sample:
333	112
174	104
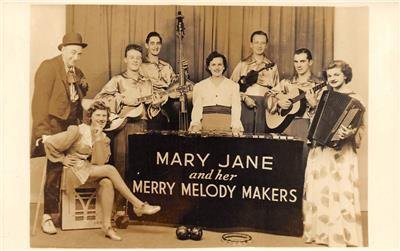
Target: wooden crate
81	209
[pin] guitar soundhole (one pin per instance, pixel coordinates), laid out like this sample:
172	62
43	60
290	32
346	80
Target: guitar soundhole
285	112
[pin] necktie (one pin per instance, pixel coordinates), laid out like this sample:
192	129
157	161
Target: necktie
71	79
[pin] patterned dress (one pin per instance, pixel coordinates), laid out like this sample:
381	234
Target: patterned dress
331	204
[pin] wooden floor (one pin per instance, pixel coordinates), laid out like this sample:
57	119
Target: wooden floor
138	235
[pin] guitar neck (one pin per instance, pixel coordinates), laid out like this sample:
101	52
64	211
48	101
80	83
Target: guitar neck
299	97
266	67
162	93
145	98
302	95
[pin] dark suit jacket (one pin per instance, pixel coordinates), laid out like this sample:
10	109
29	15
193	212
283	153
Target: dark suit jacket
51	105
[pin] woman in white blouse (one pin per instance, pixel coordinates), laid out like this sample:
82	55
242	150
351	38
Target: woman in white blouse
216	100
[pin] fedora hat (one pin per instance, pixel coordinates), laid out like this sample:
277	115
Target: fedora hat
72	38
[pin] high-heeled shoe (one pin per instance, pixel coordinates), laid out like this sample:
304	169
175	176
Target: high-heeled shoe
146	208
110	233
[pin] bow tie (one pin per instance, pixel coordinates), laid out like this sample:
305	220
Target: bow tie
72	79
71	76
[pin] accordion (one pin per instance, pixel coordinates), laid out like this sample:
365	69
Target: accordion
334	110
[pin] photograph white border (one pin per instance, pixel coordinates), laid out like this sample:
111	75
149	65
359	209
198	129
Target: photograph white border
383	112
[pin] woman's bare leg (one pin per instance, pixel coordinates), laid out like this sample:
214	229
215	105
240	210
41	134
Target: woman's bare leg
106	198
110	172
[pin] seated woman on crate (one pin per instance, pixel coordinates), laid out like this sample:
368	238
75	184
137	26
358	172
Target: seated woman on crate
84	150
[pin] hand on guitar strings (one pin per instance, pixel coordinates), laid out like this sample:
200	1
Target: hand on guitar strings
345	132
160	84
284	103
250	103
127	101
158	99
311	98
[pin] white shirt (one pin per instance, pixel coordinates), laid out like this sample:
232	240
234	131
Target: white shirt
205	93
73	94
120	85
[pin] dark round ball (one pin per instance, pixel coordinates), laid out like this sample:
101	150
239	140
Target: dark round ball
182	233
122	222
196	233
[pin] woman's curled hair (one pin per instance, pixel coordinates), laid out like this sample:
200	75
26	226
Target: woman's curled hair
99	105
216	54
343	66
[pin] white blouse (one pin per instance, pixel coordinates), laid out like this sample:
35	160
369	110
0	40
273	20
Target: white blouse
205	93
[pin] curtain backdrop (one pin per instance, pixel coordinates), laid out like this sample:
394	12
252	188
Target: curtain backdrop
227	29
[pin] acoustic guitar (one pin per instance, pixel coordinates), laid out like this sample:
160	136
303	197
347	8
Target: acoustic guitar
280	120
118	121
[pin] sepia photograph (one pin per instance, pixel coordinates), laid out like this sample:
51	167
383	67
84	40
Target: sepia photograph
214	125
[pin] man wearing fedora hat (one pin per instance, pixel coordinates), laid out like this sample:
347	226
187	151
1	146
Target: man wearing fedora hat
56	104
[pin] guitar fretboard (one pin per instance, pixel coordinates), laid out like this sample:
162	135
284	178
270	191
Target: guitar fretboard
183	89
302	95
266	67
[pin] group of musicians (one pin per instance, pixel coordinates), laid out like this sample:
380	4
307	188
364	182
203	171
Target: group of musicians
145	97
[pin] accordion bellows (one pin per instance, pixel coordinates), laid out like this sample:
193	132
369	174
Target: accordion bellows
333	110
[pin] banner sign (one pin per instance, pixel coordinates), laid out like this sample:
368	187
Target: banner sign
219	182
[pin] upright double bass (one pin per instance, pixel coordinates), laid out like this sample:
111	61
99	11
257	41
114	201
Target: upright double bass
183	112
